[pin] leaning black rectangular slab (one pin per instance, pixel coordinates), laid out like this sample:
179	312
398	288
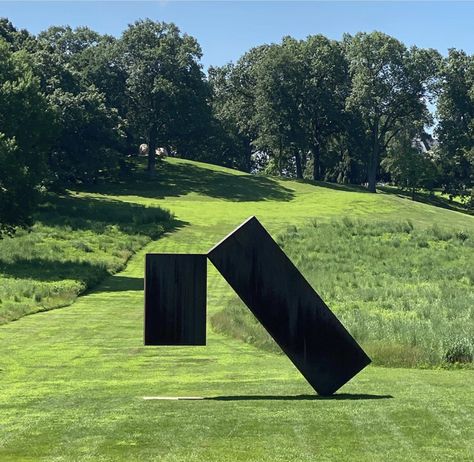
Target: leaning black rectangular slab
175	299
288	307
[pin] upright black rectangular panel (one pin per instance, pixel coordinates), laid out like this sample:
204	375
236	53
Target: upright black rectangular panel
175	299
288	307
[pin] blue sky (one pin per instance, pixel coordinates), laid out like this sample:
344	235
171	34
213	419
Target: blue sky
226	29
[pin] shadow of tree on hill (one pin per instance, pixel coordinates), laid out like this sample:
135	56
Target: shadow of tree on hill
426	198
118	283
174	180
97	215
328	185
47	270
87	213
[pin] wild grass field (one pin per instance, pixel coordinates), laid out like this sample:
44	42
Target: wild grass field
72	380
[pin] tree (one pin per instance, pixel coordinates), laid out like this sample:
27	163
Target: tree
390	88
165	84
62	57
89	140
286	100
234	103
278	100
409	163
25	138
17	39
455	131
325	90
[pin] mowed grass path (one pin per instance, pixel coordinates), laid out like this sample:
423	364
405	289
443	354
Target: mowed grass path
72	381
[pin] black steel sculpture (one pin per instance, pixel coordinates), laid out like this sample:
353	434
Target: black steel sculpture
175	299
271	287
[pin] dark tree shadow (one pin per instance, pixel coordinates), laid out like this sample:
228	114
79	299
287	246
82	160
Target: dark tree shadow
87	213
173	180
84	213
118	283
94	276
52	270
328	185
426	198
336	397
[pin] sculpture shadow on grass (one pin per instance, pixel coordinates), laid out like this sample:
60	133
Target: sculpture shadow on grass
174	180
336	397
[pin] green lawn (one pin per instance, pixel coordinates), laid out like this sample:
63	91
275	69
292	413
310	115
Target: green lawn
72	380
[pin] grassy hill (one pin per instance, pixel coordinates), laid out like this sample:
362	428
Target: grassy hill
72	380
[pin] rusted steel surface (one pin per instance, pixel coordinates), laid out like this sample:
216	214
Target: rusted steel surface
288	307
175	299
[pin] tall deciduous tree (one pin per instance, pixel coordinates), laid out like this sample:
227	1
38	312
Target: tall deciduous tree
234	102
325	90
89	136
455	130
409	163
165	84
279	97
390	88
25	137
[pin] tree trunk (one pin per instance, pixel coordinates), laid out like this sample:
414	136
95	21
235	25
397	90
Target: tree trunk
316	162
299	167
248	156
304	160
245	161
280	158
372	174
373	161
151	149
412	194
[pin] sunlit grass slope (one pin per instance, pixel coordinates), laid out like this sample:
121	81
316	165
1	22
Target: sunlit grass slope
72	380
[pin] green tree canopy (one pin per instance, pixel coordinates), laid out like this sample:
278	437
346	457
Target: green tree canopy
165	85
234	102
455	111
25	137
390	88
89	140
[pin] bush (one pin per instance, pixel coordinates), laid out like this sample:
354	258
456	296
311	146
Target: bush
460	351
462	235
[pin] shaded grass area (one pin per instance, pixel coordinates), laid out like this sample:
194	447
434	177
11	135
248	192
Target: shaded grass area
437	199
75	243
176	178
405	294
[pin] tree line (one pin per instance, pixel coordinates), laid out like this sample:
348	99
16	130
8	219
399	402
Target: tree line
76	104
